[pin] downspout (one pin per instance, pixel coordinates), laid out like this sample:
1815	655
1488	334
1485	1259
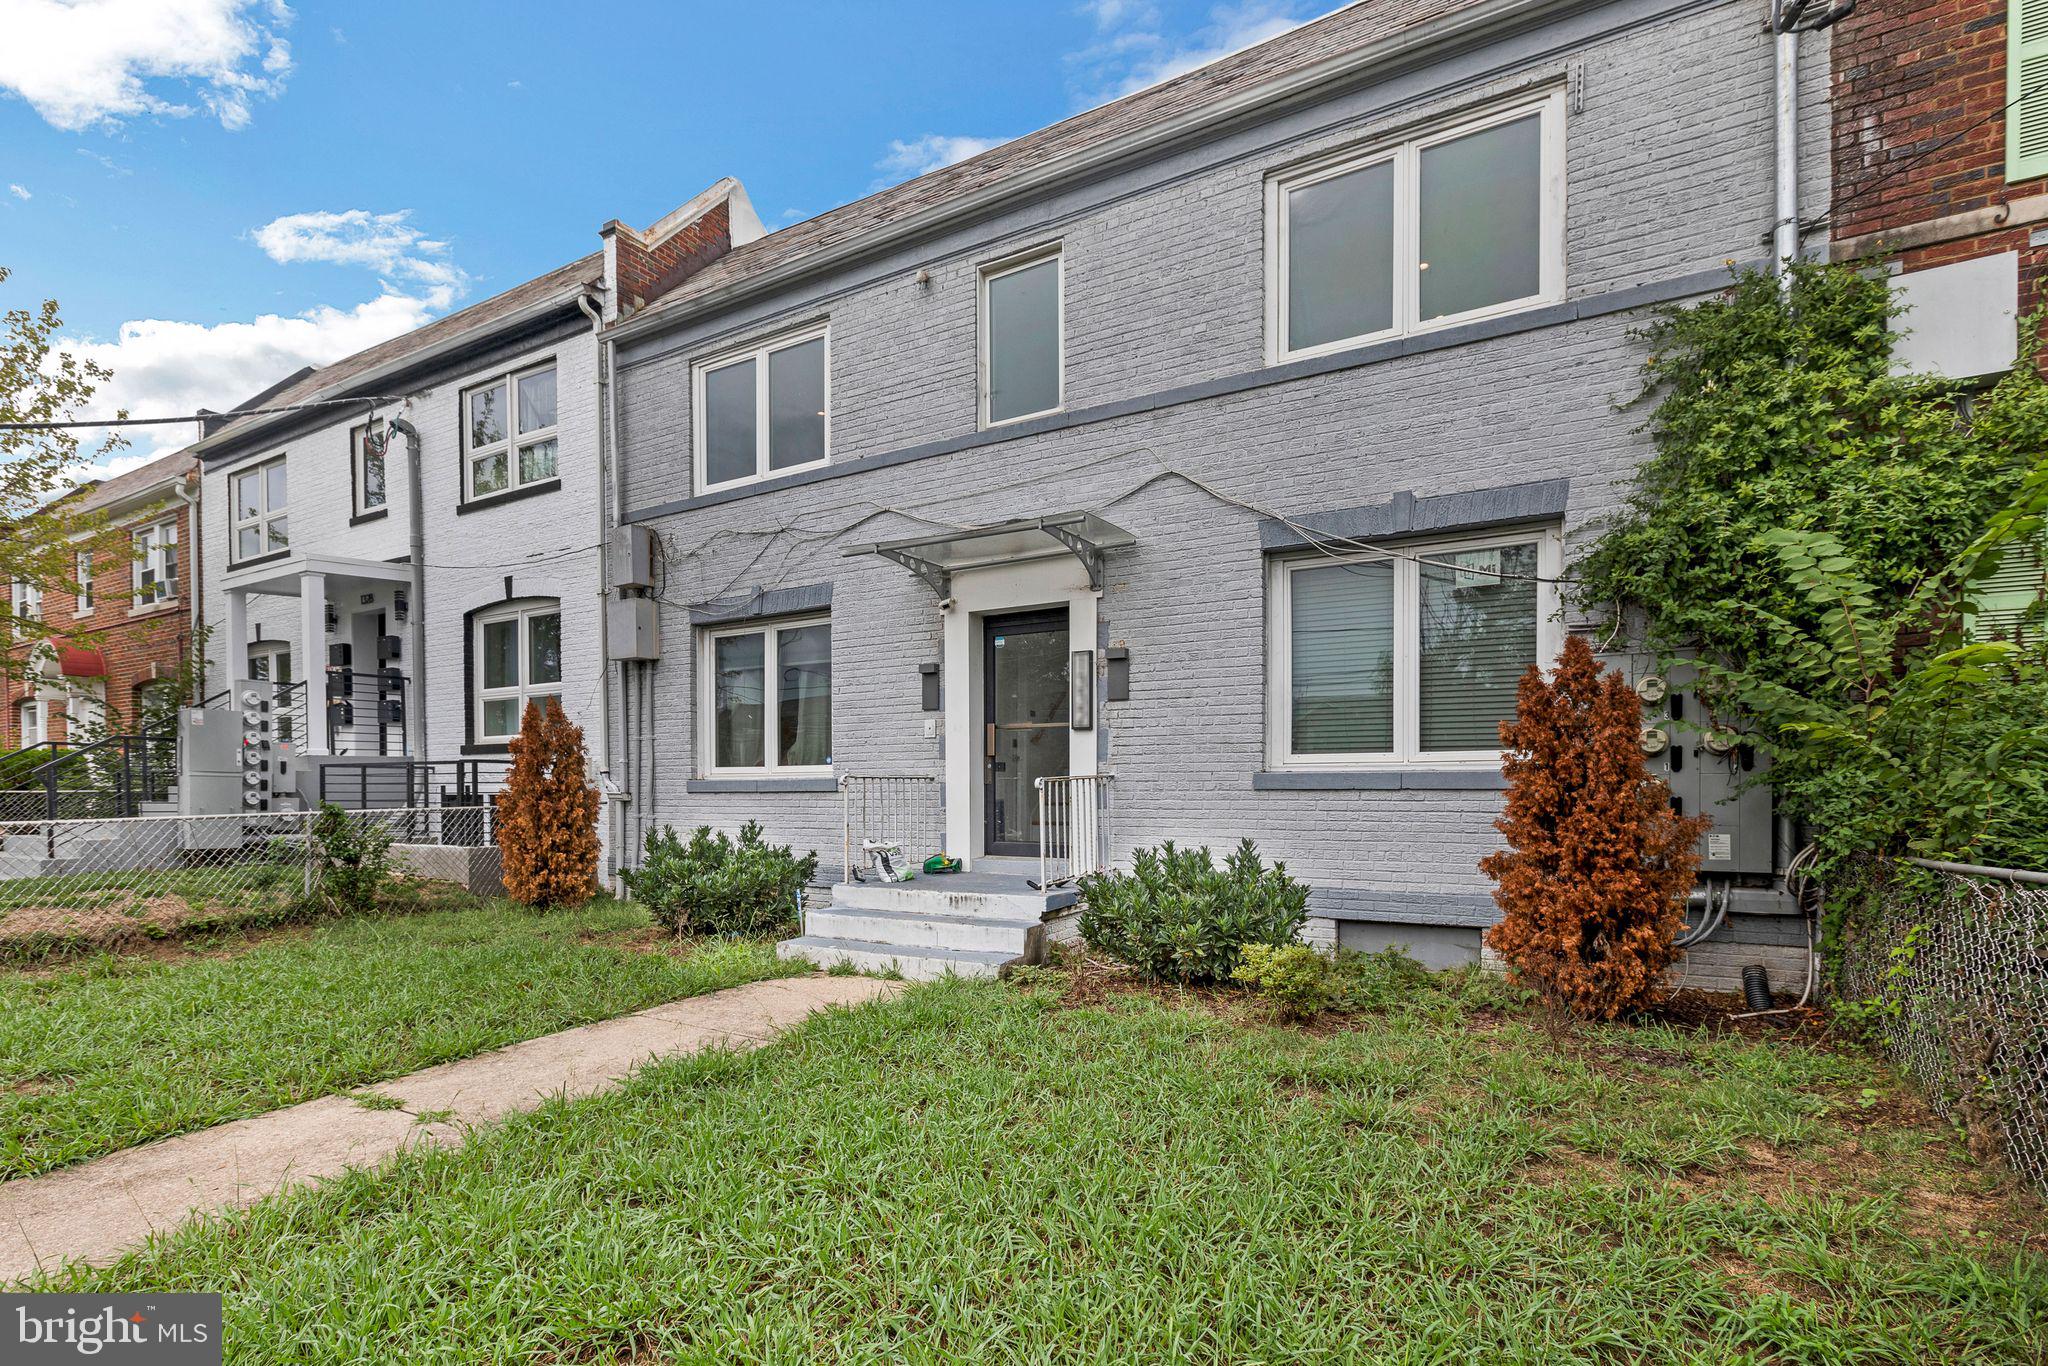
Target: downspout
188	493
1785	234
416	515
614	817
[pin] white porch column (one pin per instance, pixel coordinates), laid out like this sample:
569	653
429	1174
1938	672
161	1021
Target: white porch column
960	683
313	640
235	650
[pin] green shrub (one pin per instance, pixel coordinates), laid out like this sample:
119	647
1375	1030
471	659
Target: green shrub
1181	918
715	884
354	857
1296	980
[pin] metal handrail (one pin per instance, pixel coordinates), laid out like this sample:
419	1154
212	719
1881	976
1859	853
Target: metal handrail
133	776
1073	826
890	810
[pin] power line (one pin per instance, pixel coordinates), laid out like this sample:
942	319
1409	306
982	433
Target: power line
1834	209
368	401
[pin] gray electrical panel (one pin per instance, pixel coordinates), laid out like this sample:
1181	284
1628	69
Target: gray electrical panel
631	557
1712	768
233	758
633	628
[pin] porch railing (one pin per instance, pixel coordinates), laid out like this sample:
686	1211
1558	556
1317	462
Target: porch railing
1073	827
888	806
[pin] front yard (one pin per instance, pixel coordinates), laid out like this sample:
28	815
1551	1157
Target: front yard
1040	1172
114	1051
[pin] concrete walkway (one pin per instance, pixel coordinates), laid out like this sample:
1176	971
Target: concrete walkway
97	1210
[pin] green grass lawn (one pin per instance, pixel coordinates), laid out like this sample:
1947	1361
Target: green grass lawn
113	1052
983	1172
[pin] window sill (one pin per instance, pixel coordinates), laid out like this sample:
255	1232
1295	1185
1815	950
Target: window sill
373	515
253	561
509	496
487	747
707	786
160	605
1380	780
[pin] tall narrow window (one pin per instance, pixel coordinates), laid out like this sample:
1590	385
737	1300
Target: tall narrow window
368	446
28	600
83	573
763	411
766	697
518	659
34	723
156	564
1384	660
1452	225
257	508
1021	326
509	438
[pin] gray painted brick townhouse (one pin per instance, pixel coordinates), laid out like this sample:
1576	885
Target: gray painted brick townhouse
1040	466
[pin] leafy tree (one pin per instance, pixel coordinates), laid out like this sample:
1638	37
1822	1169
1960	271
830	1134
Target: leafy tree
547	814
1592	883
40	526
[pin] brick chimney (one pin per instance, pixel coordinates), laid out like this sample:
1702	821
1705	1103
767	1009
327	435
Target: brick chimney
640	267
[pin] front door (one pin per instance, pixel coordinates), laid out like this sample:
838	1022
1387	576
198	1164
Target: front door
1024	706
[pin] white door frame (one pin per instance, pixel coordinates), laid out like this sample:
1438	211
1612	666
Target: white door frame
994	591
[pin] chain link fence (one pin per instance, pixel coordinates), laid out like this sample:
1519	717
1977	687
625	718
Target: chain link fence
68	884
1955	968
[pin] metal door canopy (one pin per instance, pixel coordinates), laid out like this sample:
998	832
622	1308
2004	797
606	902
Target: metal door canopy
936	557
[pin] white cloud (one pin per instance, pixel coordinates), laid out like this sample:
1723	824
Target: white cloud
1132	51
163	368
19	191
913	157
82	63
384	242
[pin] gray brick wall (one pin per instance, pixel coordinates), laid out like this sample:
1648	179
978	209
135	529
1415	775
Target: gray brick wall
1669	168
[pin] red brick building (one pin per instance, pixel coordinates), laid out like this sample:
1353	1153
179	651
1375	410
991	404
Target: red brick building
1941	163
137	599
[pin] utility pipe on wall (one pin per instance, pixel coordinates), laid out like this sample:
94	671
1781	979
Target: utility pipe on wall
416	644
1785	234
606	741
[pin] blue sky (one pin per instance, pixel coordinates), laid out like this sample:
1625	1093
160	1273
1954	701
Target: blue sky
219	191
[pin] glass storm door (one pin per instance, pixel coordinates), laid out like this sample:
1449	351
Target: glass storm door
1024	706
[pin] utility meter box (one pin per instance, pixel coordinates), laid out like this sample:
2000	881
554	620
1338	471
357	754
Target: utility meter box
1711	767
631	555
633	628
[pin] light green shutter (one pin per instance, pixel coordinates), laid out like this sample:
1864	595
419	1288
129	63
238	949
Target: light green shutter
2026	69
2016	585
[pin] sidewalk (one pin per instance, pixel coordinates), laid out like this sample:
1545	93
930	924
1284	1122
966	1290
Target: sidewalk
97	1210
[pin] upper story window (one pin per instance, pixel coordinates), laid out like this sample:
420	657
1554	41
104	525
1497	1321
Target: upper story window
28	600
518	660
257	506
1022	321
508	433
367	446
765	697
156	563
82	571
763	411
1381	661
1445	228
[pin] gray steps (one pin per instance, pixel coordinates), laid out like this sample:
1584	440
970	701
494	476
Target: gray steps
1017	936
918	964
953	896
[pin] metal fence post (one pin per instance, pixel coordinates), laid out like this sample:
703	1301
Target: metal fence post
306	877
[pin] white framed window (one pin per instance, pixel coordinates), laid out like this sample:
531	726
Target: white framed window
257	509
764	698
82	571
270	661
1450	226
156	564
1023	336
508	433
34	718
762	411
1386	661
28	600
367	447
518	660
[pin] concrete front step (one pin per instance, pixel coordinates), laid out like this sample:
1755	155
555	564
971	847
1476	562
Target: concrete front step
1003	898
920	929
919	964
